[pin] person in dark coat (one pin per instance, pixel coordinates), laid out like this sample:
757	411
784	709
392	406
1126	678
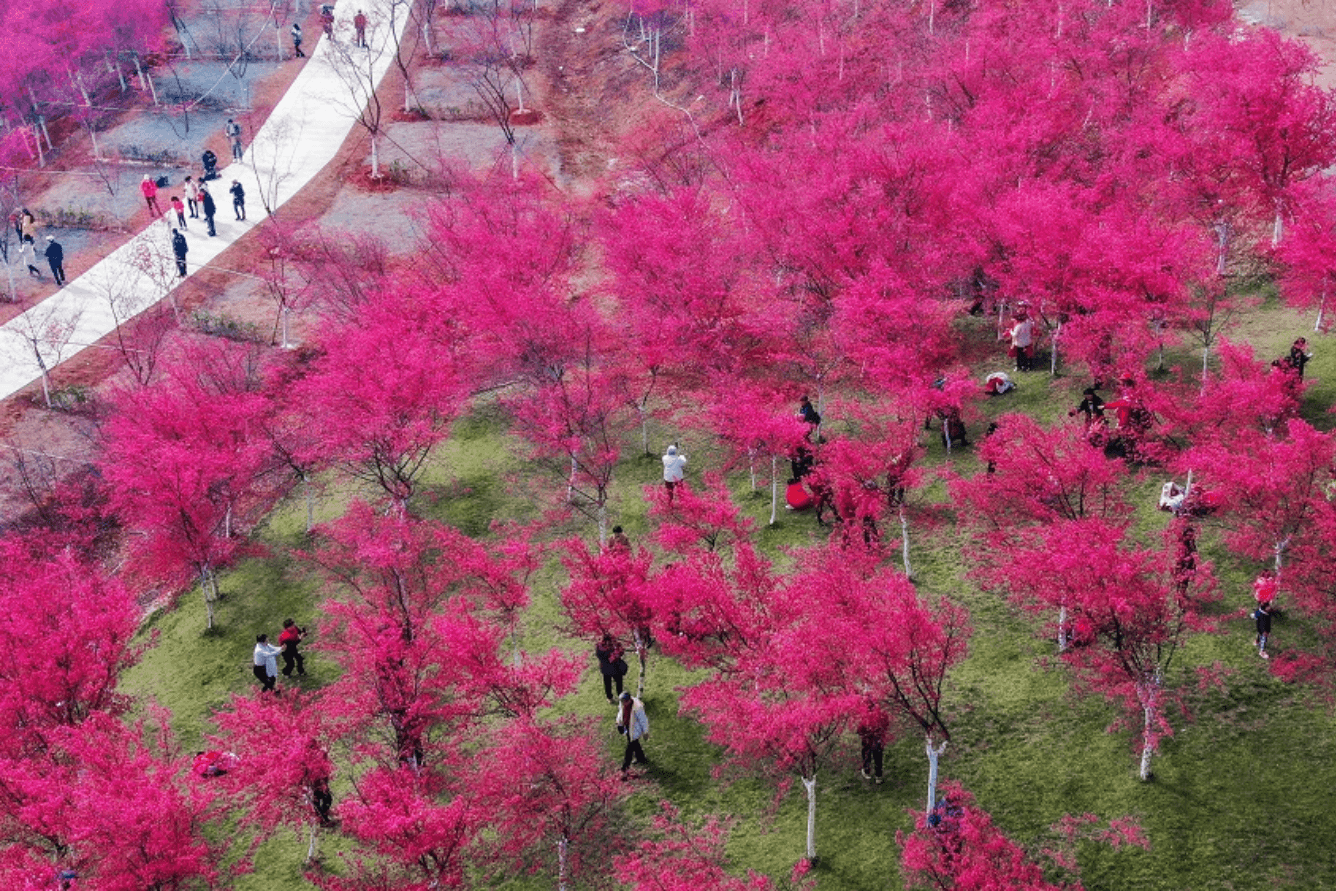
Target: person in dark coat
297	40
179	250
238	199
1299	356
210	208
1262	615
807	412
873	726
609	652
210	162
55	258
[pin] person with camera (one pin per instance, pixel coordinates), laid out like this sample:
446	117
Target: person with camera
288	640
634	725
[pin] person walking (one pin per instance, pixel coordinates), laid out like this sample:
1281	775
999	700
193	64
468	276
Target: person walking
1262	615
673	472
55	258
149	189
359	24
233	131
209	207
264	665
634	725
1022	339
27	230
238	199
327	19
27	227
873	726
179	250
180	211
288	640
28	254
610	664
192	197
1299	356
297	40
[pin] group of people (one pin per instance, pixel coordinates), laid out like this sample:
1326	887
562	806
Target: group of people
265	657
25	227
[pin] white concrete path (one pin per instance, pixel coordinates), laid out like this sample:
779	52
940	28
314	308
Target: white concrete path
301	136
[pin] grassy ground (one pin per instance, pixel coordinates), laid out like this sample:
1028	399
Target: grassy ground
1240	795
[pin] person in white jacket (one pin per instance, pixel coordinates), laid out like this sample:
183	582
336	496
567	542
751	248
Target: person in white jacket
634	725
673	472
265	663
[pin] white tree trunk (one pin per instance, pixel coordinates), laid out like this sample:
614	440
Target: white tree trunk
310	502
1053	351
1147	694
904	542
809	783
642	655
934	752
210	591
603	524
310	847
1062	628
562	861
1321	307
774	488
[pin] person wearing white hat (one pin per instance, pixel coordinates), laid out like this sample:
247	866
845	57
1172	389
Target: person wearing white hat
673	465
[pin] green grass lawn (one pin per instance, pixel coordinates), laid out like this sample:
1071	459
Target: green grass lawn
1240	798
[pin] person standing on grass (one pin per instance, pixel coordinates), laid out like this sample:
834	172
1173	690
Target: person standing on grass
673	472
288	640
873	726
55	258
297	40
209	207
609	654
264	664
179	250
238	199
149	189
1262	615
634	725
619	541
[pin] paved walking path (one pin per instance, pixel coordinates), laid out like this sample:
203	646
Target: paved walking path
301	136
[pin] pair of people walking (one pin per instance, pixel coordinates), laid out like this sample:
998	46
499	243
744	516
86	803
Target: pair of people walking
265	657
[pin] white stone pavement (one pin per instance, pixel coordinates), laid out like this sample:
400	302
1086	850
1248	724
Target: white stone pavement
301	136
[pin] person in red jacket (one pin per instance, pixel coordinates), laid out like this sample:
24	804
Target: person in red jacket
288	640
150	191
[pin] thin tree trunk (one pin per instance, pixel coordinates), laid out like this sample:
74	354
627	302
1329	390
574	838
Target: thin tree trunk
642	655
1147	694
904	541
310	502
934	752
1053	351
603	524
809	783
1321	307
205	583
310	847
774	487
562	863
1062	628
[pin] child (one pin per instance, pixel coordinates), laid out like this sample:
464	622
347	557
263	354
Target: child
180	210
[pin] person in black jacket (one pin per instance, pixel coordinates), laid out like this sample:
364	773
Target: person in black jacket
238	199
609	652
55	257
209	207
1263	616
179	250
